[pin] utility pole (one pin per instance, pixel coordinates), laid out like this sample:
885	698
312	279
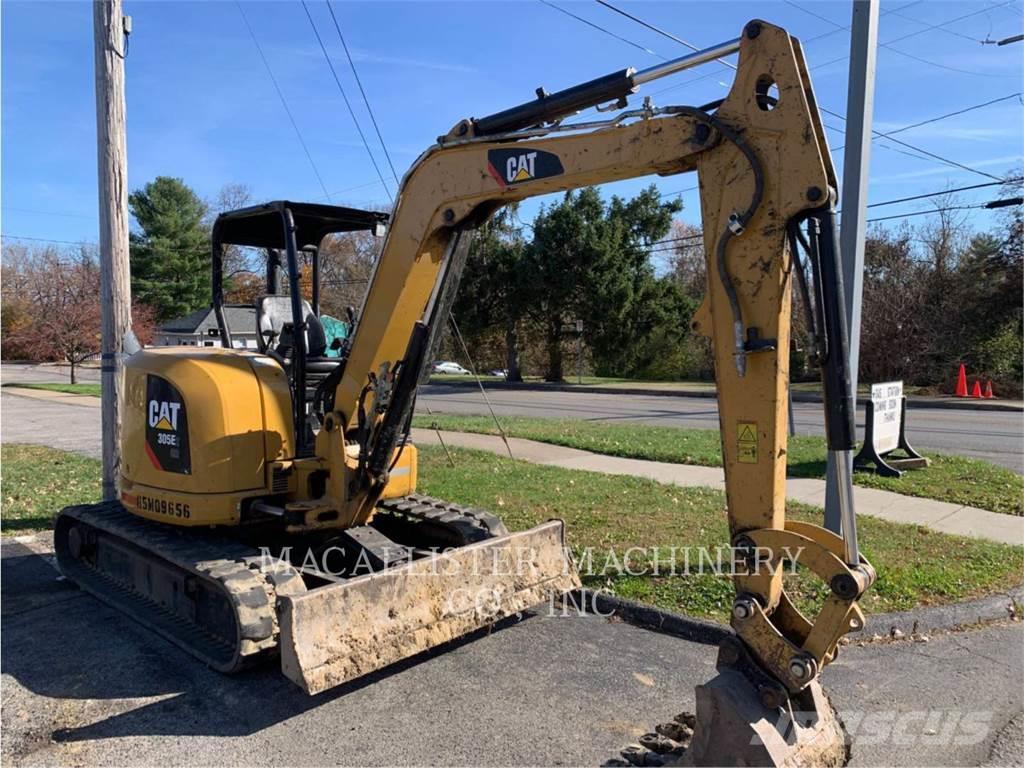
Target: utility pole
860	104
110	32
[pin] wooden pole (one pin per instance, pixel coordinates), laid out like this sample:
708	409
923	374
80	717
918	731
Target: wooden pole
115	286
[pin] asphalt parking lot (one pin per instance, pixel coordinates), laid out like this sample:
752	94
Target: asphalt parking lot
83	685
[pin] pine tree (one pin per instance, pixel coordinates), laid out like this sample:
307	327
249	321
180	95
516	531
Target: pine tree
171	254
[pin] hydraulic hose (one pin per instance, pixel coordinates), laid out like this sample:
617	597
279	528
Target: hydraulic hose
737	223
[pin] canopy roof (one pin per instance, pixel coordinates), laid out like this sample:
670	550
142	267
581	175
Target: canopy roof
261	226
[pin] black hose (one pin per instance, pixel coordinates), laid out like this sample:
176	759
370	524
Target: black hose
737	222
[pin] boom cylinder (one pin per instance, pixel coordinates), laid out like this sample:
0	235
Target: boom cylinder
547	107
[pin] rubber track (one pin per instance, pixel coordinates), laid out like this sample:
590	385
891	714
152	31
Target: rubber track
465	525
222	564
234	570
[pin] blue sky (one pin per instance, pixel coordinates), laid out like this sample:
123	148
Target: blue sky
201	105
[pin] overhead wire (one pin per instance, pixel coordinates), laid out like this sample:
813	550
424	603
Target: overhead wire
660	31
887	46
948	115
348	104
366	100
580	19
284	103
927	154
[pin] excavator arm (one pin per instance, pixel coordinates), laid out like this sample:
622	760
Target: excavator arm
764	169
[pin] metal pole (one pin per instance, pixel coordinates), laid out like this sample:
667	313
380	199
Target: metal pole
109	33
860	101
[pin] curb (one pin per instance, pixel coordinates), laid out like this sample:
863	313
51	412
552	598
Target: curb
913	401
707	632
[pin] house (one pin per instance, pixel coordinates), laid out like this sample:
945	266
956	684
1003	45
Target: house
200	329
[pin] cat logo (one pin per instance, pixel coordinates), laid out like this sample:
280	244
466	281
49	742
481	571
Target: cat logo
163	415
511	166
166	427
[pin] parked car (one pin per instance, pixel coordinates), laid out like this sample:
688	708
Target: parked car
500	373
451	368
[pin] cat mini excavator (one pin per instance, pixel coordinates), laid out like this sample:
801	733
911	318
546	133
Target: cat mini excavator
238	464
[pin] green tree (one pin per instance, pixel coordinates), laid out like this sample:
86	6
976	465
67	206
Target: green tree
589	261
170	253
491	297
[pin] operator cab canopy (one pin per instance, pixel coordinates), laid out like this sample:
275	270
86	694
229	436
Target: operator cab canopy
263	226
283	228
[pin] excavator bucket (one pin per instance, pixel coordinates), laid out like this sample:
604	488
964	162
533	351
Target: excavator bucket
735	727
342	631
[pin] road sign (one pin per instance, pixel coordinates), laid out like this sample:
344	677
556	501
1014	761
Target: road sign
886	402
885	431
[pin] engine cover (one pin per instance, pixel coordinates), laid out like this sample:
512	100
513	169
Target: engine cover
200	426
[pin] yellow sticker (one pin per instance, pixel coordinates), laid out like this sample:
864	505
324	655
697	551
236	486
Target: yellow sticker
746	442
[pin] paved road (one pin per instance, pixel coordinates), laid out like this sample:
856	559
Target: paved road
84	685
996	436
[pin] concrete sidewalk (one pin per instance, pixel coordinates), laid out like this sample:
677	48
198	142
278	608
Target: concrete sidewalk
66	398
938	515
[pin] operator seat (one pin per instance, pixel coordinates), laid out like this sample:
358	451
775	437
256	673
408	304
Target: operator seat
274	334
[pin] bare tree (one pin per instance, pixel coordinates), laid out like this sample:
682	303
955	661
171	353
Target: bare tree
346	265
58	296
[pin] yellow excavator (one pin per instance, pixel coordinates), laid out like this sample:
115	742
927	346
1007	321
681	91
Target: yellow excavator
267	496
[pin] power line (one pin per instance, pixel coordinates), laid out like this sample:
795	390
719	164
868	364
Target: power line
643	48
280	95
660	31
940	158
928	29
887	46
944	192
990	205
948	115
348	104
366	101
931	155
47	240
936	26
805	43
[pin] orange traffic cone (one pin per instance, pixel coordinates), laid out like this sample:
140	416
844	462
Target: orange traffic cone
988	391
976	392
961	381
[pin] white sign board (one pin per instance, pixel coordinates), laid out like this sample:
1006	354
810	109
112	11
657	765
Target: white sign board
887	400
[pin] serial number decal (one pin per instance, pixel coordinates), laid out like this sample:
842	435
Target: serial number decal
163	506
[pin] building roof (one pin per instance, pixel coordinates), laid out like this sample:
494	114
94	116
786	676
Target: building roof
241	319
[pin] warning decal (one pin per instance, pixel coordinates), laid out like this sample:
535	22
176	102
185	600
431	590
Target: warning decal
746	442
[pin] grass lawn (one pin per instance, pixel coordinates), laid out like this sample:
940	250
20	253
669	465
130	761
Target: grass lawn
949	478
603	514
37	482
916	566
73	389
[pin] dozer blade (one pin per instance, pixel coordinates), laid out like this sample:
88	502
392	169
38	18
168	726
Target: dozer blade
342	631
